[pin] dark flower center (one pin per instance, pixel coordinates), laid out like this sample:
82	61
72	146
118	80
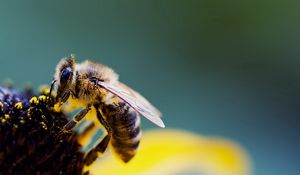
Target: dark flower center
30	136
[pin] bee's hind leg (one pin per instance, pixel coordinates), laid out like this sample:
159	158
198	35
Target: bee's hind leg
92	155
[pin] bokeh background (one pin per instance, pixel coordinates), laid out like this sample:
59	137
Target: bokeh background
214	67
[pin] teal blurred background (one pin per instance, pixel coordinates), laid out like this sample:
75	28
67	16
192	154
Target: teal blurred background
218	68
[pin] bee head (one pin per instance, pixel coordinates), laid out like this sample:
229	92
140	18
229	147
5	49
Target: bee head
64	76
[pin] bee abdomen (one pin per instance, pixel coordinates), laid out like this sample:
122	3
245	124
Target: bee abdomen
126	131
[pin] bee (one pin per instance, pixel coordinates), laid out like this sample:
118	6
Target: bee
118	107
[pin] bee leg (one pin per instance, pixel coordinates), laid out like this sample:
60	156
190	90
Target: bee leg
79	116
102	121
100	147
92	155
65	96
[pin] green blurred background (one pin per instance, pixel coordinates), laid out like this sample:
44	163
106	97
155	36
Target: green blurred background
218	68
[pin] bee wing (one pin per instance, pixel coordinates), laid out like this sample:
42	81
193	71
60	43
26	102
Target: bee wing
135	100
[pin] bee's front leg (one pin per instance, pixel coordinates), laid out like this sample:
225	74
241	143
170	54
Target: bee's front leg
65	96
78	117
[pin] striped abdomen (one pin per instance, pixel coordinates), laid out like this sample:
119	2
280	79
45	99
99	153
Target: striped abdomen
125	129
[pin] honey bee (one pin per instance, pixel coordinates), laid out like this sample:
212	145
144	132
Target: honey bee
117	106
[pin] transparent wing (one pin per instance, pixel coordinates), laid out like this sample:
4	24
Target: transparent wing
135	100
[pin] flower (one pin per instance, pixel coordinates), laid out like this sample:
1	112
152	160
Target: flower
31	142
178	152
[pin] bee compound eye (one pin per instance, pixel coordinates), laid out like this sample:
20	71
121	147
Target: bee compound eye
66	74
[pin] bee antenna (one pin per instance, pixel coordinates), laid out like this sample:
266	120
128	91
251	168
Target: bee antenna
51	88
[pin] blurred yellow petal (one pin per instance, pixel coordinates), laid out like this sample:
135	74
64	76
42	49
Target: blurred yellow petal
177	152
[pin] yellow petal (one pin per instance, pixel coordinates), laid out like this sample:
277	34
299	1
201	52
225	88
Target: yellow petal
178	152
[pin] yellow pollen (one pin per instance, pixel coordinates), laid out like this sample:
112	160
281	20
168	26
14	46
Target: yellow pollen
1	104
34	100
3	120
44	117
57	108
42	98
44	89
44	126
6	116
19	105
29	112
